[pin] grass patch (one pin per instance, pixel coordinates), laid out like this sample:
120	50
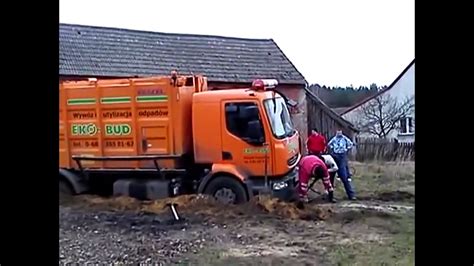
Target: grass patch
398	248
380	180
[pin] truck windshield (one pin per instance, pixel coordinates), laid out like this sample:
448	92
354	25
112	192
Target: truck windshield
279	117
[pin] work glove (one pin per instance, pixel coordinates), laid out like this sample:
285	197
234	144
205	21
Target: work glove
331	197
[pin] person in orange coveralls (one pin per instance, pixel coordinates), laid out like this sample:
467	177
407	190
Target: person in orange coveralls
312	166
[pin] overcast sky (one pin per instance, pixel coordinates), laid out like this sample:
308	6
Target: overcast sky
331	42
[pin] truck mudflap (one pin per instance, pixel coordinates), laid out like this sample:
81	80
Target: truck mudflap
283	188
76	181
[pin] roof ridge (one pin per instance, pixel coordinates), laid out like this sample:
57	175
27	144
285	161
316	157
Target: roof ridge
380	92
164	33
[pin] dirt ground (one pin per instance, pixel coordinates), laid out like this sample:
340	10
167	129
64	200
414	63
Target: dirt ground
376	229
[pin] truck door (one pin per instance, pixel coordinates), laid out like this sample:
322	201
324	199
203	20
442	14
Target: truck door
243	138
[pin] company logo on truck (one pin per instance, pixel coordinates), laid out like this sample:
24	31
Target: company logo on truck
118	130
91	129
255	150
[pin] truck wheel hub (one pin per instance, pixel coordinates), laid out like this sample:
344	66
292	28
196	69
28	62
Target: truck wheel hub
225	195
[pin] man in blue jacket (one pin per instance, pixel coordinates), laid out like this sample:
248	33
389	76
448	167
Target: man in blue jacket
339	146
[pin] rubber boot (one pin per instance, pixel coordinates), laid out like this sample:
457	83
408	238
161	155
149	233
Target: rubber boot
331	197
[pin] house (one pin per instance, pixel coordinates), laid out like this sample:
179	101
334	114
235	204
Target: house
325	119
393	107
100	52
340	110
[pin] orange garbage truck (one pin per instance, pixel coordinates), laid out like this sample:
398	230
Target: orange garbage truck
157	137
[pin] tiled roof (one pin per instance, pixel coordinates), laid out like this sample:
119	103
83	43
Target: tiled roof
112	52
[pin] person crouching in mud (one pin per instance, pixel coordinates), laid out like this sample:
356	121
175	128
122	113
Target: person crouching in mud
312	166
331	165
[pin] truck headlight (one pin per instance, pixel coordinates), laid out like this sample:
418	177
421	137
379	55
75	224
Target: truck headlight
279	185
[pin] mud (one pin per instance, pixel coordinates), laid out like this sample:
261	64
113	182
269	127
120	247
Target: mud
206	206
265	230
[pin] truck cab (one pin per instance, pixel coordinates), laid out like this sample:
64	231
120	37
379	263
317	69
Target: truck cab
247	134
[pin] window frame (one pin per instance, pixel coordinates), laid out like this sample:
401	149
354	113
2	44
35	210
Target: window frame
247	103
407	130
270	122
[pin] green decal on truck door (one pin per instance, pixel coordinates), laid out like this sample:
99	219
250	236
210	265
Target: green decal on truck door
256	150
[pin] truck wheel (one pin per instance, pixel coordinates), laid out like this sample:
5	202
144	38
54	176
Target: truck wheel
227	190
65	190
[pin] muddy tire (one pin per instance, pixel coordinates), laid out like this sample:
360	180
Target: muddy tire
65	190
227	190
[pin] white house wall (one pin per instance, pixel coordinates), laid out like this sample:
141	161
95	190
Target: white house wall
403	88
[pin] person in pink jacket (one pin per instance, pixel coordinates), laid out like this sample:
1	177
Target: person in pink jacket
312	166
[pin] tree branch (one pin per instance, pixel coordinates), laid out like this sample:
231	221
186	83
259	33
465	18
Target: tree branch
381	115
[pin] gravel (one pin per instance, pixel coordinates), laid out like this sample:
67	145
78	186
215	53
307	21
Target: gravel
109	233
126	237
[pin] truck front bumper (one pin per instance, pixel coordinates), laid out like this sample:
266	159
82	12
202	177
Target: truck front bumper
283	188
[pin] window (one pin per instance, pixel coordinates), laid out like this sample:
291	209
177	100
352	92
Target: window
406	125
279	117
238	116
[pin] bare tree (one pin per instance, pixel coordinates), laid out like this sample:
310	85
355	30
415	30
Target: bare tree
381	115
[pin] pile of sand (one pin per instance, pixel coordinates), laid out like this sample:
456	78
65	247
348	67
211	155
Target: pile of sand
291	210
112	203
206	205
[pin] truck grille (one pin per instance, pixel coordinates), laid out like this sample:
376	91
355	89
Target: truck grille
292	160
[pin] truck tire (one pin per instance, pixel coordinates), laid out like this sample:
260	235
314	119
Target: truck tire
227	190
65	190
